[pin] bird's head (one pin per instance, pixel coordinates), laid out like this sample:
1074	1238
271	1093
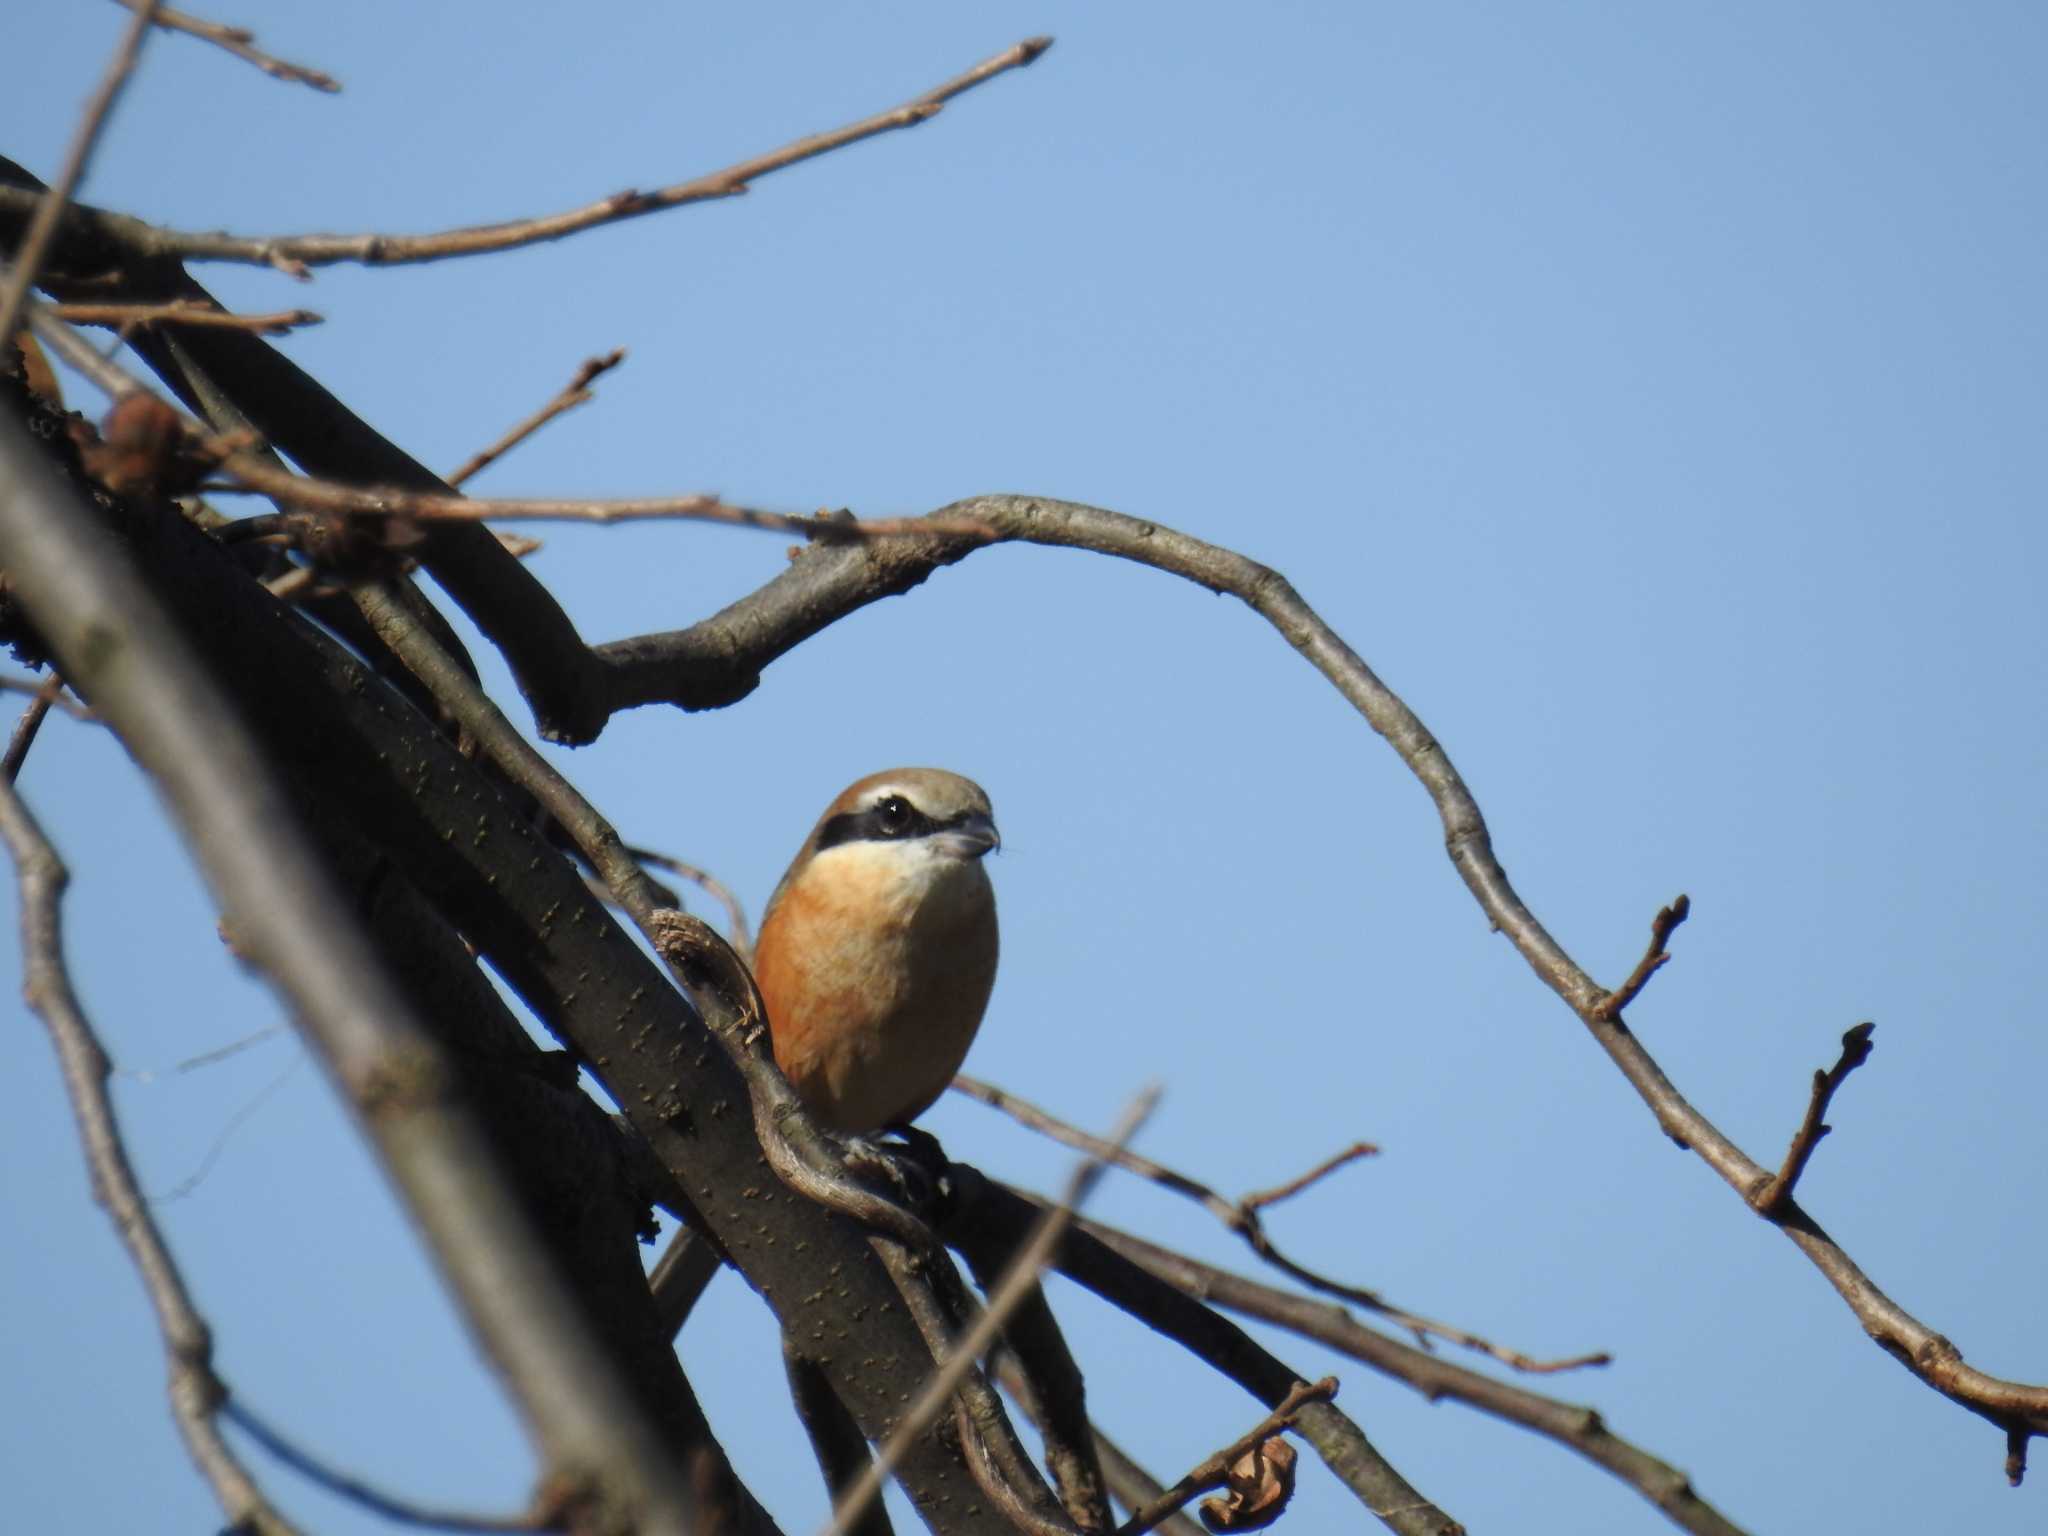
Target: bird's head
918	827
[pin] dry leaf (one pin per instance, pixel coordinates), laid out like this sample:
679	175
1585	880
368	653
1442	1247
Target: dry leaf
1257	1489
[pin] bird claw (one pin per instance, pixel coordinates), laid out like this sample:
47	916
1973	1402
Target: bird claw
915	1170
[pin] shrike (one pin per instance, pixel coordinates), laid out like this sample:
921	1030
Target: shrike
878	949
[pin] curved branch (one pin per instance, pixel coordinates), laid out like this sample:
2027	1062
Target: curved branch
719	661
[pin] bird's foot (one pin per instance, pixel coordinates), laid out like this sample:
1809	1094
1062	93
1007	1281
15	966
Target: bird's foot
912	1164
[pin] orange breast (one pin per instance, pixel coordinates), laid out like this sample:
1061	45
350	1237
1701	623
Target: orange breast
873	998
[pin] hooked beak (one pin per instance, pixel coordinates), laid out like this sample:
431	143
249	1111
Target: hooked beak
970	837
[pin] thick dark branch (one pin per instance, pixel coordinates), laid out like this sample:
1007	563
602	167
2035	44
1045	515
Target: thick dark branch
118	646
1134	1487
731	1201
1017	1284
678	1280
366	1496
987	1217
1771	1198
1036	1368
295	254
836	1441
230	377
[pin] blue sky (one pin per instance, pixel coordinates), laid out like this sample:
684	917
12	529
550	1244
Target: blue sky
1651	394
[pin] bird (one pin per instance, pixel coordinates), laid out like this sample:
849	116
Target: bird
877	951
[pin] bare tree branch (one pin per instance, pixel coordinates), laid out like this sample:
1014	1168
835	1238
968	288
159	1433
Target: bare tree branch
719	661
632	1029
1577	1428
1661	928
196	1392
1036	1368
1123	1479
686	1267
576	392
297	254
116	643
30	725
237	380
1260	1199
1212	1471
1241	1217
836	1441
738	933
376	1501
1014	1287
1771	1199
240	42
374	502
27	257
983	1215
183	312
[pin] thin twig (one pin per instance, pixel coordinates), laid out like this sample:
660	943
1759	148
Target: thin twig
27	258
576	392
184	312
78	353
1770	1198
382	501
1577	1428
52	685
738	934
1662	926
363	1495
995	1220
1296	1185
1212	1472
1241	1217
296	254
196	1393
1015	1285
30	725
1135	1486
1127	1482
240	42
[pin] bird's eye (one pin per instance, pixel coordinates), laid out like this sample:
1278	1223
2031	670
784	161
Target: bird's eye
893	812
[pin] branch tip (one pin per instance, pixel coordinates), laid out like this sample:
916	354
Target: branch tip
1771	1198
1662	926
